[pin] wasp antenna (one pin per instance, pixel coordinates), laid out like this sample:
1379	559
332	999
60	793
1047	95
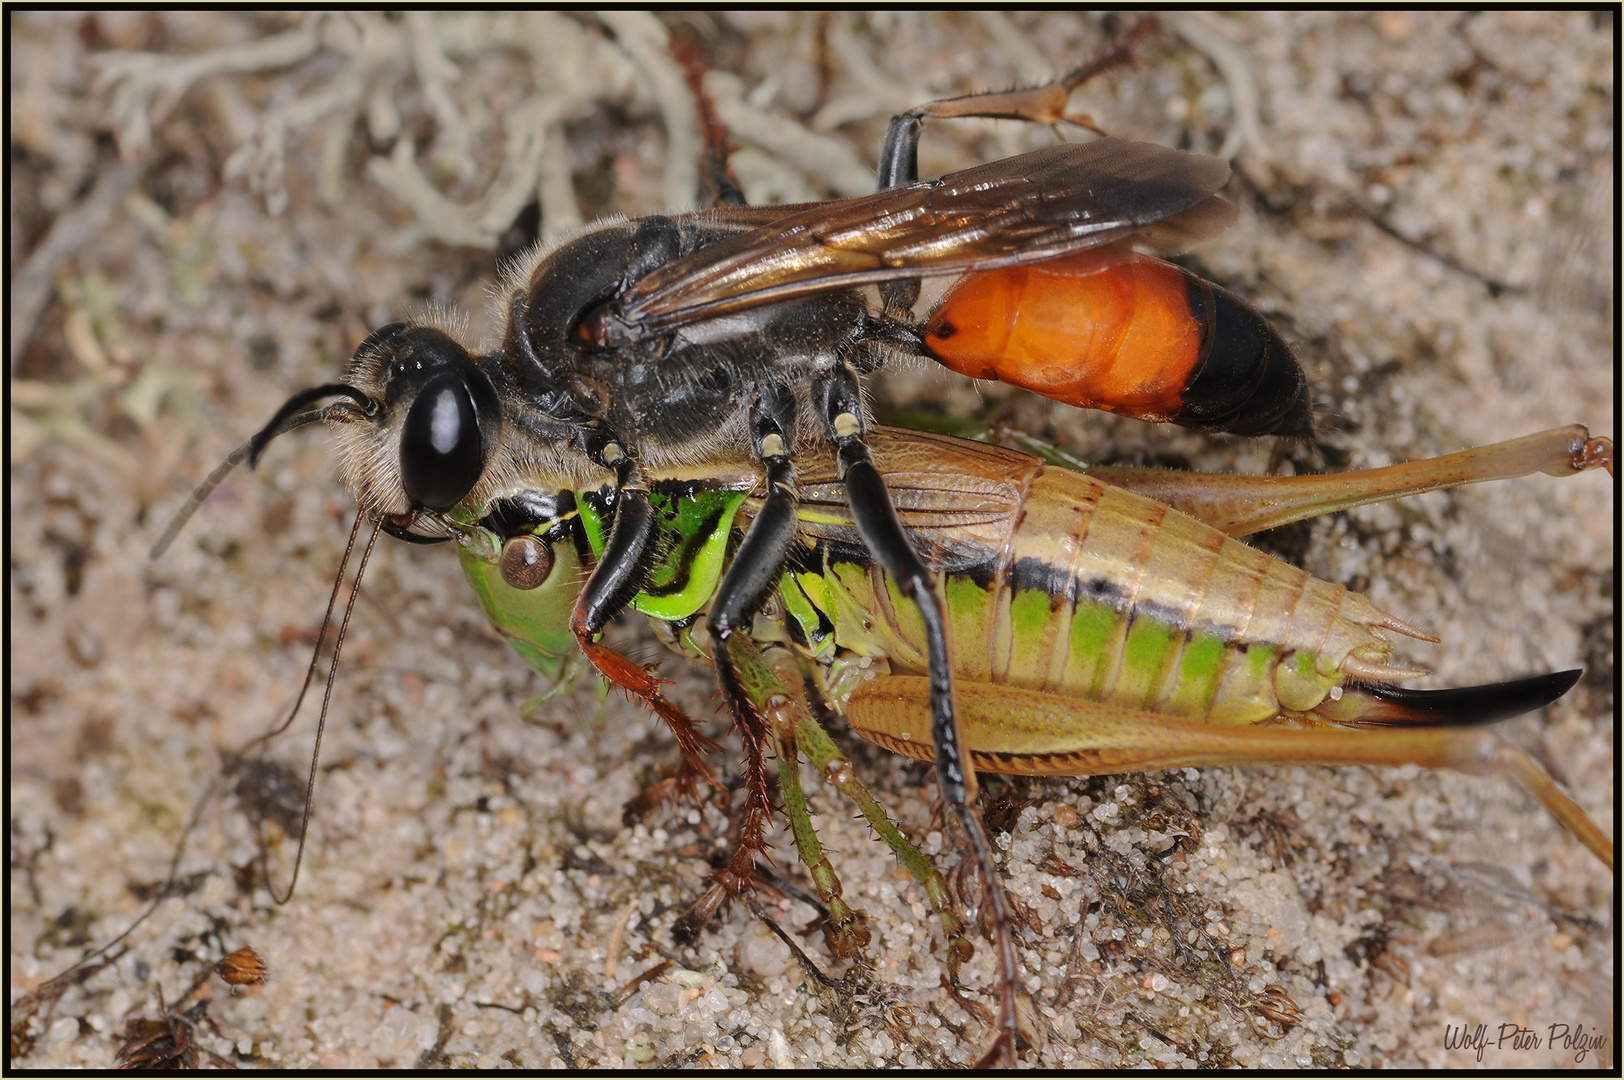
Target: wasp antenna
288	416
204	490
284	421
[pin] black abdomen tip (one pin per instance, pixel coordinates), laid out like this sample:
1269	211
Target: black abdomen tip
1465	705
1250	382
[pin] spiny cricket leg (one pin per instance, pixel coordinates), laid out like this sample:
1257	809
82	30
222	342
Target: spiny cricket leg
812	740
641	683
1037	105
617	578
845	928
876	519
744	589
795	731
1012	730
1239	505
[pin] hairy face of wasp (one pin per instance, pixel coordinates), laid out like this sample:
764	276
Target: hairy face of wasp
435	422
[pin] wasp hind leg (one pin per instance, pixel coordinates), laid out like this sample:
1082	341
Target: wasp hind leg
1046	104
882	533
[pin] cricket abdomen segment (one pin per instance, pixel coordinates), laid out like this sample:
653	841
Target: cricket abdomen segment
1093	591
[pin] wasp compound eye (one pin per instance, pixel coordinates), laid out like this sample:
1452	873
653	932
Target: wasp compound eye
526	562
441	451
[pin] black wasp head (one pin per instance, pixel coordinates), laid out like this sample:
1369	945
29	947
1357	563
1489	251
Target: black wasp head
430	390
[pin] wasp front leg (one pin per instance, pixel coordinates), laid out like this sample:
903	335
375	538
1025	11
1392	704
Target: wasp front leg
618	577
876	519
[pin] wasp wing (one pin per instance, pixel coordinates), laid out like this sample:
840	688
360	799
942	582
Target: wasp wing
1028	208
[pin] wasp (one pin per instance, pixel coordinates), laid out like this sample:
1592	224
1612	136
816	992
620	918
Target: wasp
673	419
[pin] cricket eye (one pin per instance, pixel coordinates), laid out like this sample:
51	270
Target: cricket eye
441	451
526	561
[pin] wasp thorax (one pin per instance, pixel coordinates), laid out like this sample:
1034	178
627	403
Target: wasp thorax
437	421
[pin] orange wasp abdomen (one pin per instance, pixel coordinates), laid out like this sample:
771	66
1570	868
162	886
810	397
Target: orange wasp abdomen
1127	333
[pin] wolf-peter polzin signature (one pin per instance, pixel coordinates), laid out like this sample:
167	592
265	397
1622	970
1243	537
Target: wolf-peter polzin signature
1514	1037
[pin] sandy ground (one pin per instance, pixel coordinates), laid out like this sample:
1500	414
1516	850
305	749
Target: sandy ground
1427	213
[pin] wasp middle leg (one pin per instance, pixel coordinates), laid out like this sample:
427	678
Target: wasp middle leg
745	588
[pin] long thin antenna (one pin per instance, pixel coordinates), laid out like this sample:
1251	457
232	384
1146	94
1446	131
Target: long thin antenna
54	986
287	418
214	479
326	700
